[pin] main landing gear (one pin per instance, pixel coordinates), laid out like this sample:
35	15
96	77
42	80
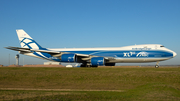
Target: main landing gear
157	65
85	65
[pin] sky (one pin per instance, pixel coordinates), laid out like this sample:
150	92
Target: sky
89	23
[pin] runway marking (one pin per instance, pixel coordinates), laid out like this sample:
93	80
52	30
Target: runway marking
59	89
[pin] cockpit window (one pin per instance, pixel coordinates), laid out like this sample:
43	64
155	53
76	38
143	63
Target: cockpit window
161	46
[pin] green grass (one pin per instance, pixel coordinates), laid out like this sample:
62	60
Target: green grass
91	84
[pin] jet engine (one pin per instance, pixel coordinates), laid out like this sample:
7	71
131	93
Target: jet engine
97	61
68	58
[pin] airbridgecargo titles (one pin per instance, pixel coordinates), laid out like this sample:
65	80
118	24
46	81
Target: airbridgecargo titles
93	57
141	48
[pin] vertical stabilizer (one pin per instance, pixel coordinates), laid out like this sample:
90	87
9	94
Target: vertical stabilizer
26	41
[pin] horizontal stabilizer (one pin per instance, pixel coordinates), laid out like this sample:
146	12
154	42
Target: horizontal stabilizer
18	49
32	50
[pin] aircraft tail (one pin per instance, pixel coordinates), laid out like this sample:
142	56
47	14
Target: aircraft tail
26	41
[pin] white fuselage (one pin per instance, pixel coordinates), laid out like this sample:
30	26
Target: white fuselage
126	54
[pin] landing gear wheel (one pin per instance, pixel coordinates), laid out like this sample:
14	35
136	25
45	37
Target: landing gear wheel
156	66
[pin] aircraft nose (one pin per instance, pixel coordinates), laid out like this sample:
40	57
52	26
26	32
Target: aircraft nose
174	54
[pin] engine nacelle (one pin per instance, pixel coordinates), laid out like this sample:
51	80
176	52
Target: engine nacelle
97	61
68	58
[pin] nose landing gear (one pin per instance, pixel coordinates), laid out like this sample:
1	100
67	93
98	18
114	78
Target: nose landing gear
157	64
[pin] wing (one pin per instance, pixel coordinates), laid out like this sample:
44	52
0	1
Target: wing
81	58
53	53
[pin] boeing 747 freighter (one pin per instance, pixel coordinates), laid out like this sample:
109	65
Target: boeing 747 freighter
93	57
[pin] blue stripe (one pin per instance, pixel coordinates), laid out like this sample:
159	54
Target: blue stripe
116	54
128	54
46	56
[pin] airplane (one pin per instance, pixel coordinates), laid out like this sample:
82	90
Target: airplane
94	57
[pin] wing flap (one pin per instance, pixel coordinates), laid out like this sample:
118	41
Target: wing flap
46	51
